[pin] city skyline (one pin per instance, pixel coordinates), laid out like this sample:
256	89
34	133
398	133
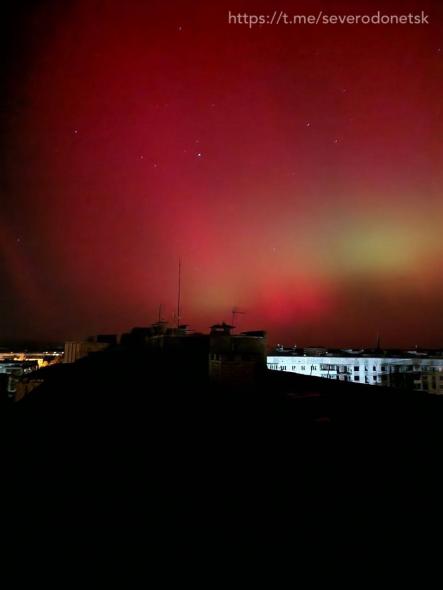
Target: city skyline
296	171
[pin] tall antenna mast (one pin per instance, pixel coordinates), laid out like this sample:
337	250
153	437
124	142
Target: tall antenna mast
235	313
179	291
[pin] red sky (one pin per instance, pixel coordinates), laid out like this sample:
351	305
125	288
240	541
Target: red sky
297	171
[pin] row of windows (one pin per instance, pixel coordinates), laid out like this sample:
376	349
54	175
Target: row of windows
356	368
283	368
340	368
346	369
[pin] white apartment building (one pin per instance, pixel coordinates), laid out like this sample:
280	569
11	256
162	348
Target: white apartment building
424	374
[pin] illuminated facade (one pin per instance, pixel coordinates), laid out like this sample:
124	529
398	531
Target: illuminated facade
412	372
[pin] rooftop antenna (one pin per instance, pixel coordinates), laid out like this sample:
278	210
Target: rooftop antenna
179	291
160	309
378	340
235	313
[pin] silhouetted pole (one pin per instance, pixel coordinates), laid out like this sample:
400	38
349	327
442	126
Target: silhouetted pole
179	291
235	312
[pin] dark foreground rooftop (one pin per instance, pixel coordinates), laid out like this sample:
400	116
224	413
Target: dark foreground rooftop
128	450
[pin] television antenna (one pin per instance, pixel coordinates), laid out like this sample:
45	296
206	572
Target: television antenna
235	313
179	291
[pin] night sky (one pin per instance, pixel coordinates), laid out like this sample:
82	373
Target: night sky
297	171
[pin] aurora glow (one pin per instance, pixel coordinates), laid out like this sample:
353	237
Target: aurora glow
297	173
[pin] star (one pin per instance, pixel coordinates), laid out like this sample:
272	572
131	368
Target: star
75	131
308	124
199	154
